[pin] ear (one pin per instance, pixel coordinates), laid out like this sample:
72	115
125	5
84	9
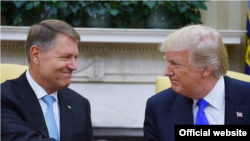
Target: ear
35	54
207	71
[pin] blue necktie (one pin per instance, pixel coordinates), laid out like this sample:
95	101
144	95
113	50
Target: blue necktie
50	119
201	118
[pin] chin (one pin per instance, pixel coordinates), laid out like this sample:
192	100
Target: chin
64	84
67	84
175	89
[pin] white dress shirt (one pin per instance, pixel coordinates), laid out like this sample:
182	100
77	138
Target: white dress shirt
40	93
215	111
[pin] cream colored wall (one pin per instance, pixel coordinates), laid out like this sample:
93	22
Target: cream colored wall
229	15
225	15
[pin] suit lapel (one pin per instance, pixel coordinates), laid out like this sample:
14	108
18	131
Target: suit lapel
233	104
66	116
32	105
182	111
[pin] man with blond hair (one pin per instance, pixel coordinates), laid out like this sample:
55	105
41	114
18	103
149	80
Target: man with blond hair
200	93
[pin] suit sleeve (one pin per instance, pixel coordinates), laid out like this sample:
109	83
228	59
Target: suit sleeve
13	127
89	136
150	130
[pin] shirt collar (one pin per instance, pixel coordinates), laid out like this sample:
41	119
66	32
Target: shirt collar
216	96
39	91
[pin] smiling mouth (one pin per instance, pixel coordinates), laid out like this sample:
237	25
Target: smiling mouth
67	73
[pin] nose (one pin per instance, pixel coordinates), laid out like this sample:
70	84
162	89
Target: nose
169	71
72	64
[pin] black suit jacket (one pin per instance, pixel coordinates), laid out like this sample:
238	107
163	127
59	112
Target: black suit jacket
23	120
167	109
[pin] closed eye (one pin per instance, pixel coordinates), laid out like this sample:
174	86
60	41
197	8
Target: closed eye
64	57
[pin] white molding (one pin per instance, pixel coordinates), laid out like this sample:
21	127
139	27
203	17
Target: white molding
112	35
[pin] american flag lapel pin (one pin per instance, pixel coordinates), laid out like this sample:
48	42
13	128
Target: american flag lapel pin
239	114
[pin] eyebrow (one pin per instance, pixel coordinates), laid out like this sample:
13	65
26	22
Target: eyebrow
173	60
68	54
177	61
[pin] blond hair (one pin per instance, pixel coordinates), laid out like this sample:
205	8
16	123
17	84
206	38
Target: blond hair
205	46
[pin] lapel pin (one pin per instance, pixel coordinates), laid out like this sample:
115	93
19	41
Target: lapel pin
239	114
69	107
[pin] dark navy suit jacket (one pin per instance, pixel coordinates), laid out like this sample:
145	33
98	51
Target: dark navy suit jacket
22	117
167	109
